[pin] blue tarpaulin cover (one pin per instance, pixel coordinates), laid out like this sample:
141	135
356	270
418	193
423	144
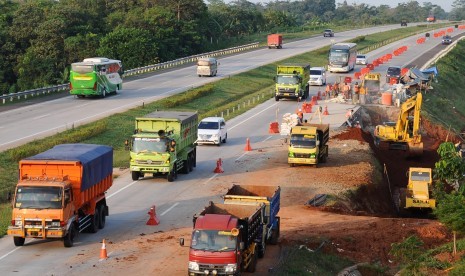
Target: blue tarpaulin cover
96	160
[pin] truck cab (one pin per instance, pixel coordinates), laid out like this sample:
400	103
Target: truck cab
308	144
292	81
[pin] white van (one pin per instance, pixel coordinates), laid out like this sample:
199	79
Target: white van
212	130
207	67
317	76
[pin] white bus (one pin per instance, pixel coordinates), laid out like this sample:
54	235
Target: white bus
342	57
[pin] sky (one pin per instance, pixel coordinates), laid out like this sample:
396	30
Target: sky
445	4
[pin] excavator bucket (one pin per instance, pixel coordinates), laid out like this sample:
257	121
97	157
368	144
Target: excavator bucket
415	149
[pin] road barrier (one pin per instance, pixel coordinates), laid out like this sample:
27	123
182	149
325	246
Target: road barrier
6	98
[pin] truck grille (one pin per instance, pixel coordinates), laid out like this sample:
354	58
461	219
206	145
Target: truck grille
211	267
302	155
149	162
286	90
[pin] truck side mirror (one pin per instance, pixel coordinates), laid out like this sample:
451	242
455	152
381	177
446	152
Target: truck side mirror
181	241
126	145
241	246
317	143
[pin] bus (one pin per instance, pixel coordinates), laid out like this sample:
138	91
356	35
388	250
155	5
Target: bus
342	57
96	77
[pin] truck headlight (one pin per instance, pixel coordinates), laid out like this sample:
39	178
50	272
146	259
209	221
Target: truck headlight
55	223
230	268
193	266
291	154
18	222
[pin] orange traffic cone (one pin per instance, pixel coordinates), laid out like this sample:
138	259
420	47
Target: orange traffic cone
326	110
103	251
247	145
274	127
153	220
219	168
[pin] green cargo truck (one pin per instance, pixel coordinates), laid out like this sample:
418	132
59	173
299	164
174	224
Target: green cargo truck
163	144
292	81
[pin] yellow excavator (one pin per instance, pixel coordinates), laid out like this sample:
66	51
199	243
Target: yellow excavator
405	133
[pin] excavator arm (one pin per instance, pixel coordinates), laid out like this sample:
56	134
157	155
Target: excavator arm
405	134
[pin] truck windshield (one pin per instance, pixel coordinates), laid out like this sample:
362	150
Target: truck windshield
303	141
420	176
38	197
287	79
209	125
213	240
142	145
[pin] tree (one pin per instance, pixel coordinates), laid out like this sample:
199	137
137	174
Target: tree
450	168
409	253
132	46
451	212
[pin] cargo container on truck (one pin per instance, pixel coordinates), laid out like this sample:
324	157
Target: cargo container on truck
61	192
292	81
275	41
163	143
257	195
224	239
308	144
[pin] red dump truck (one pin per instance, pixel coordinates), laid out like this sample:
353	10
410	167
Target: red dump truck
225	239
275	41
61	192
256	195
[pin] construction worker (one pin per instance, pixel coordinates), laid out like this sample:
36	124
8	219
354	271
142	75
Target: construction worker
356	93
300	115
328	91
345	90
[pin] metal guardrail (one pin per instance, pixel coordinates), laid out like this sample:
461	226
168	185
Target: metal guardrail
133	72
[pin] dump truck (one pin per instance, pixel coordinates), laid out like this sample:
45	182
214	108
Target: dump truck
163	143
308	144
418	194
292	81
275	41
257	195
61	192
225	238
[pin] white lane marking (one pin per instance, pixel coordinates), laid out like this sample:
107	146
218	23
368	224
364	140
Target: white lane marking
268	138
40	117
134	182
9	253
253	116
210	178
169	209
241	156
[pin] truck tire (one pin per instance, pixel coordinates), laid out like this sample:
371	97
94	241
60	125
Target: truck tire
19	241
192	161
253	263
194	158
276	98
103	218
275	234
95	222
186	164
135	175
68	240
261	248
171	176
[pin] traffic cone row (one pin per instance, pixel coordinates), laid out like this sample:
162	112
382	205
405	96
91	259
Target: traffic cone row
219	165
153	220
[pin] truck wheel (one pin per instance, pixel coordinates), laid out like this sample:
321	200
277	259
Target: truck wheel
191	163
19	241
194	159
95	222
103	218
275	234
171	175
68	240
291	164
135	175
253	263
186	164
261	250
276	98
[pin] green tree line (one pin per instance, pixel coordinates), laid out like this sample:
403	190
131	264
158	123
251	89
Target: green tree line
39	39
